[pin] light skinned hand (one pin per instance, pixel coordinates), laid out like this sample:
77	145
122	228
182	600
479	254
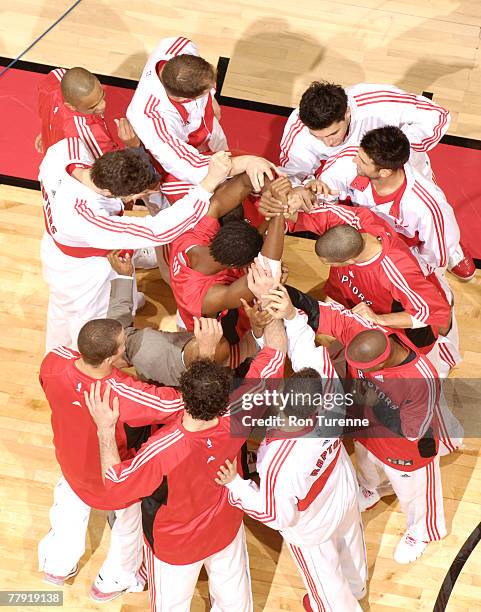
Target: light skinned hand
208	333
126	133
279	303
122	265
104	416
226	472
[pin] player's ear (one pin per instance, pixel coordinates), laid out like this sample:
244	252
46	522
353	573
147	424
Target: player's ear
385	172
70	106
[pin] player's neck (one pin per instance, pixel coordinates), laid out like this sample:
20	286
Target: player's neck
95	372
398	354
202	261
372	247
83	176
192	424
389	184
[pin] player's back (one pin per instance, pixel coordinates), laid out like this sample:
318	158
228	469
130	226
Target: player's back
317	472
194	518
74	432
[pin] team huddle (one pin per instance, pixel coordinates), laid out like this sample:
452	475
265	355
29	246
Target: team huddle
167	451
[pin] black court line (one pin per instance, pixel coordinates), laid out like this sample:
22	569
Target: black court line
456	568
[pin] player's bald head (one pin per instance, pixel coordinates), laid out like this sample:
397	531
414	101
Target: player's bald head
339	244
82	90
367	347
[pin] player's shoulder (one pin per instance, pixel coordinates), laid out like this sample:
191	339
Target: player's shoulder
364	90
424	190
58	359
173	46
342	160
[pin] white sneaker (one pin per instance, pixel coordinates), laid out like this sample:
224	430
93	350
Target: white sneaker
145	258
367	498
409	549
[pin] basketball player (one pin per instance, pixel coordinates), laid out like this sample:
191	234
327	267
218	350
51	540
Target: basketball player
207	264
71	103
401	398
161	356
373	272
64	375
330	118
307	488
175	115
381	179
187	519
83	218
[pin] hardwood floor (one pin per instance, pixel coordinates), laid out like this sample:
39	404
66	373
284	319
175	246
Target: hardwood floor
276	48
29	469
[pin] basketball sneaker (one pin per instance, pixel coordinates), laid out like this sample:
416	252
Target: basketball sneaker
465	269
409	549
145	258
367	498
59	580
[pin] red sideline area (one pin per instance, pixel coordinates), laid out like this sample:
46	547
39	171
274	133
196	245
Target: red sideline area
456	168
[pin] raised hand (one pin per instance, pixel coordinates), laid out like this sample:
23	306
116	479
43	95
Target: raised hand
279	303
126	133
103	415
208	333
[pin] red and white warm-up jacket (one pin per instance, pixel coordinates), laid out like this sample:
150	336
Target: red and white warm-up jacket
175	132
390	282
74	432
189	517
59	121
84	223
307	482
418	211
372	106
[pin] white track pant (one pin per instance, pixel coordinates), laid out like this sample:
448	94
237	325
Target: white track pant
419	492
335	571
63	546
171	587
79	291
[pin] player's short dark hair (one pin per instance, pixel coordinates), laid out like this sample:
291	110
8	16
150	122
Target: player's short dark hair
322	104
98	340
388	147
205	387
187	76
236	214
339	244
123	173
236	244
301	390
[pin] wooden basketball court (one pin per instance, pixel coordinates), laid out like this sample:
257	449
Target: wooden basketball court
276	48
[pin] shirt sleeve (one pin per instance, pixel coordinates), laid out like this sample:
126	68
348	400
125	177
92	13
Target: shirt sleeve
165	141
424	123
298	159
437	228
343	324
325	216
94	134
144	404
115	232
139	477
418	296
270	503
